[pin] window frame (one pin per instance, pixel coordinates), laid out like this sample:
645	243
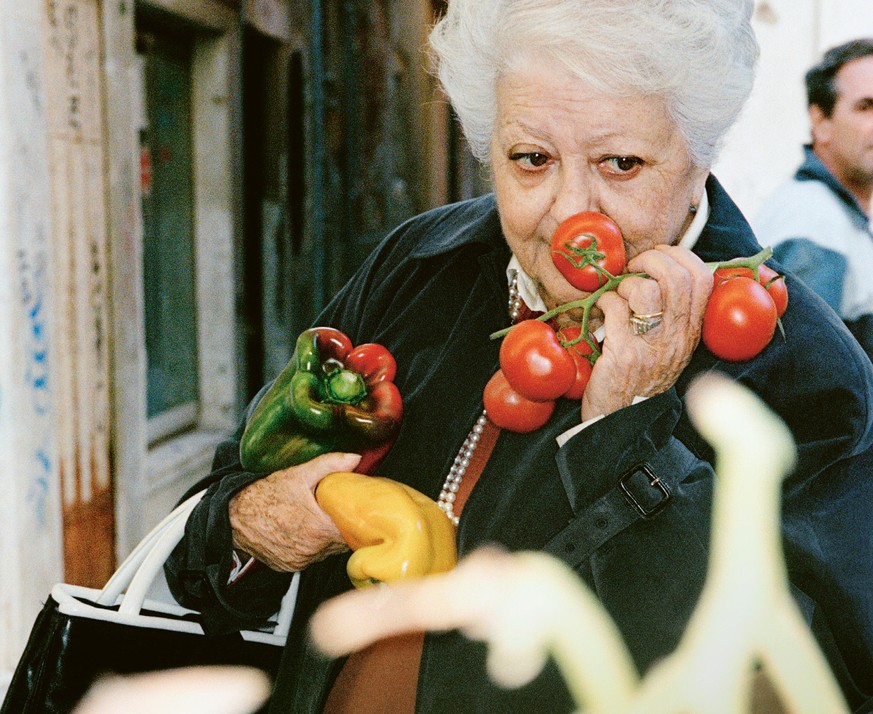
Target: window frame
150	475
183	415
188	452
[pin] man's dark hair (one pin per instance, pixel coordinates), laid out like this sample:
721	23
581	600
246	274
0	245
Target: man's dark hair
821	87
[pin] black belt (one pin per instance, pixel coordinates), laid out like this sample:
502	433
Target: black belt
640	494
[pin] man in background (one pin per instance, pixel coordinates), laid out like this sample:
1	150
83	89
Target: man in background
818	223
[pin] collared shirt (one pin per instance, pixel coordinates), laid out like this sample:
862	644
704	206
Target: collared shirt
528	292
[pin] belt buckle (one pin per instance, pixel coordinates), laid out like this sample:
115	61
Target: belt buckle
645	511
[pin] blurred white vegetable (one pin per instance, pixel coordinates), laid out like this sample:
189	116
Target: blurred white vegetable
216	690
528	605
746	613
525	606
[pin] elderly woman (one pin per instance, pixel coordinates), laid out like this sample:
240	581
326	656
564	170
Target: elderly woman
611	106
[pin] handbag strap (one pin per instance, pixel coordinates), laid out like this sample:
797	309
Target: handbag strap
133	579
153	562
122	577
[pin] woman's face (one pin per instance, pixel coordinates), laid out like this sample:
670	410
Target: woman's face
560	147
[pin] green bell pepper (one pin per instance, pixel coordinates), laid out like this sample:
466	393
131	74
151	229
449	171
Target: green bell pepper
330	397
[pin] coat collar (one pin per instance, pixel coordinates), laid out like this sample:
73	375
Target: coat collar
470	222
726	227
813	169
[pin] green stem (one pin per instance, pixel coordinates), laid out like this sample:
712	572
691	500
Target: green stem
612	282
752	262
586	304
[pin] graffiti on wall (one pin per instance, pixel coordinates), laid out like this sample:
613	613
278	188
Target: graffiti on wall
31	411
32	276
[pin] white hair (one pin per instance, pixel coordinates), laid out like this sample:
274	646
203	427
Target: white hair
698	55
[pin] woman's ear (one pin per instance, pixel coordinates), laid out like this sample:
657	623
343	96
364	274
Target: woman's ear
699	184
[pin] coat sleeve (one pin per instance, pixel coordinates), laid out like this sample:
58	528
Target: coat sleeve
824	394
198	569
820	383
640	529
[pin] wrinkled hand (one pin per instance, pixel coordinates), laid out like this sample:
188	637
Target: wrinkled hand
277	520
646	365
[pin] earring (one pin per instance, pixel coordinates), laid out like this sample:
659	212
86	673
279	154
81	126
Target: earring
692	210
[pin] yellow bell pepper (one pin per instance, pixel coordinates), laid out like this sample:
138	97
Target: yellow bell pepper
395	531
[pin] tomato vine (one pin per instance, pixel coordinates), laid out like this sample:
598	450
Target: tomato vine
539	364
751	263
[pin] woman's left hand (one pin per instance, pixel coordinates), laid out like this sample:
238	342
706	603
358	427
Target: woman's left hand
644	365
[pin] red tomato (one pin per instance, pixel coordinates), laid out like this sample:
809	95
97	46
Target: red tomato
535	362
579	352
740	319
769	278
582	240
510	410
722	274
775	284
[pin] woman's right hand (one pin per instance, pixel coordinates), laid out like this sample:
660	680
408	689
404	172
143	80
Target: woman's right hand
277	521
649	364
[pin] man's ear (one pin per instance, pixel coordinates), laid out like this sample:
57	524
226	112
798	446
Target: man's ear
820	124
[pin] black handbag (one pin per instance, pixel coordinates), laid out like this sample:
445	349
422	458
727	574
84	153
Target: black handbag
82	633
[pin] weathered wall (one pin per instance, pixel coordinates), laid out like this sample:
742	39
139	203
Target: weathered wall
30	538
55	495
81	328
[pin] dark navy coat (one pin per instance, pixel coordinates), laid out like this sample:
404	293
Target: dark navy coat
432	293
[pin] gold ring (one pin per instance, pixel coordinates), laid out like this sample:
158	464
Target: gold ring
641	324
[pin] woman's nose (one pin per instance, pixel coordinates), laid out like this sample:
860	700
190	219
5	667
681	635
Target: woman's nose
575	194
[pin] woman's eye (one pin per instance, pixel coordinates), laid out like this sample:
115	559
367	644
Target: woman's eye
622	165
529	159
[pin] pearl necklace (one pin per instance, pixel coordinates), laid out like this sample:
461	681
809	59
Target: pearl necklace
452	483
